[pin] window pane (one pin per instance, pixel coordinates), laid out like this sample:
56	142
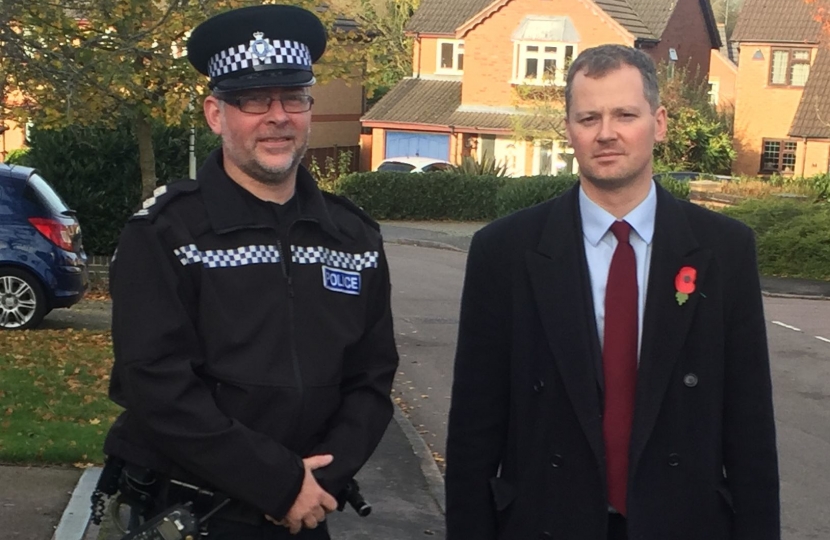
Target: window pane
550	49
531	67
550	68
546	157
800	72
790	146
801	55
569	54
532	48
779	67
769	161
460	65
446	55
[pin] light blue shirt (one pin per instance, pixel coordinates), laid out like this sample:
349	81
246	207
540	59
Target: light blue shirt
600	244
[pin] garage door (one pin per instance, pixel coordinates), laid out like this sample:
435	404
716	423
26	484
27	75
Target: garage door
407	143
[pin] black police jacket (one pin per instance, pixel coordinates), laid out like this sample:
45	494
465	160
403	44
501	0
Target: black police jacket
242	346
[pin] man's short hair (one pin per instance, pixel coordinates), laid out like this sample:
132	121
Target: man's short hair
598	61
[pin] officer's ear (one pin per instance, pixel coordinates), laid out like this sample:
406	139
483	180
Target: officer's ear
213	113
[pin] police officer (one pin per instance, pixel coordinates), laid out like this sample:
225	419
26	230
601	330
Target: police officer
252	329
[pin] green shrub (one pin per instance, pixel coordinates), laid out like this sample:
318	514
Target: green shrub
678	188
793	237
18	157
96	172
518	193
436	195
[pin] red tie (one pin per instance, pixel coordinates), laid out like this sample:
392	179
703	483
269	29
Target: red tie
619	361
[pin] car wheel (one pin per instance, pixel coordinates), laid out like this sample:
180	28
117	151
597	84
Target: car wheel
22	301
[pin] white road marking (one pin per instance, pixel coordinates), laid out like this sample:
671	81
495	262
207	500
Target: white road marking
779	323
823	339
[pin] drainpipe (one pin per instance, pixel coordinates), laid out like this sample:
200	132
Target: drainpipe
804	157
418	64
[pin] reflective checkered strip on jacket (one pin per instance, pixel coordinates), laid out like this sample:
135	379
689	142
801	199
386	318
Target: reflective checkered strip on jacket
269	254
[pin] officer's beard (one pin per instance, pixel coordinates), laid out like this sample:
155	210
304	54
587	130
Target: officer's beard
273	175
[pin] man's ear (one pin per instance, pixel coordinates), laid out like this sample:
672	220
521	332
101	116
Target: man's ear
661	119
213	114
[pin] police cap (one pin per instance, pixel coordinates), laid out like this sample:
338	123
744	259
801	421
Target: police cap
260	46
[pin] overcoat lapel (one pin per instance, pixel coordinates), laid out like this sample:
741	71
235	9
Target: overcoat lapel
666	323
559	277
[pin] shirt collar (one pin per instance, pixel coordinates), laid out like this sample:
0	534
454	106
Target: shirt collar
596	220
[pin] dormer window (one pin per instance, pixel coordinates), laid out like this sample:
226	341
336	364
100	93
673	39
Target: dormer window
450	56
544	48
789	67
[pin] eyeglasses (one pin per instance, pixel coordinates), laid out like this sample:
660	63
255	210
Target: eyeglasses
291	103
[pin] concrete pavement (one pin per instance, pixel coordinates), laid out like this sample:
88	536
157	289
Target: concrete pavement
401	480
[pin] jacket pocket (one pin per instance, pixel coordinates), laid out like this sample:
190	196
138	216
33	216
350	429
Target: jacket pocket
503	493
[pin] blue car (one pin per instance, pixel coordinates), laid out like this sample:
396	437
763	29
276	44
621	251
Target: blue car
42	261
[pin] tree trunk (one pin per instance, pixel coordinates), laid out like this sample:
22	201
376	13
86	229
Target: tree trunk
146	155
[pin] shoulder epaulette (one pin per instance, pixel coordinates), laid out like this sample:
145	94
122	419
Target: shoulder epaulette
163	195
352	207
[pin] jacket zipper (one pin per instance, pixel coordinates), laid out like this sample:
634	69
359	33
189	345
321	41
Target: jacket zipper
285	247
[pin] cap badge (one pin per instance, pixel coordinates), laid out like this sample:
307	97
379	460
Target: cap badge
260	48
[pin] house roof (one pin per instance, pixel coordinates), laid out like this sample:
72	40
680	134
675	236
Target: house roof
437	103
776	21
813	116
728	49
417	101
442	16
644	19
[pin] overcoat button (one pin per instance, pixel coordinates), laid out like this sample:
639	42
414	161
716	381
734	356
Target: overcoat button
538	386
690	380
556	461
674	460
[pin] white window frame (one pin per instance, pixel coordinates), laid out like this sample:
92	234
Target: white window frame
559	147
457	50
521	54
714	91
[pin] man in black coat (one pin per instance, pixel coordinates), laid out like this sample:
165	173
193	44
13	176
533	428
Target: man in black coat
612	376
252	328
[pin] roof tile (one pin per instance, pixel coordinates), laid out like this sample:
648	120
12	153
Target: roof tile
776	21
813	116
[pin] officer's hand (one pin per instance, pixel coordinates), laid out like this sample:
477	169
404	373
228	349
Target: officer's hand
313	502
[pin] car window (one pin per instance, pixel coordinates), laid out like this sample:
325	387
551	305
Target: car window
435	167
38	191
395	166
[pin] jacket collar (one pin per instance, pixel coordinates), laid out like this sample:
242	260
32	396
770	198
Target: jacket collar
228	210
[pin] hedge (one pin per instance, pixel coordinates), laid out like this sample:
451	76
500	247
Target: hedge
455	196
793	237
96	172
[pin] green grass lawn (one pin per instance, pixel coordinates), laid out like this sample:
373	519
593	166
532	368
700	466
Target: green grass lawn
53	396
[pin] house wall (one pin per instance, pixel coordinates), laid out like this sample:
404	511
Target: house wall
723	72
378	146
816	158
488	49
424	56
686	32
338	106
755	118
13	138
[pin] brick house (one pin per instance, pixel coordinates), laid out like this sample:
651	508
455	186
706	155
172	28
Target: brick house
723	73
782	113
471	56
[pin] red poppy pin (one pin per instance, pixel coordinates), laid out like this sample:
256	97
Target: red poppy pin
685	284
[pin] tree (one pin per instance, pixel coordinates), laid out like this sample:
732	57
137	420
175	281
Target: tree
726	12
388	50
821	13
82	62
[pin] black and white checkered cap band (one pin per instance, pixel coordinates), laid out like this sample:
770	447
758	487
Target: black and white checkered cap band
336	259
223	258
280	54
